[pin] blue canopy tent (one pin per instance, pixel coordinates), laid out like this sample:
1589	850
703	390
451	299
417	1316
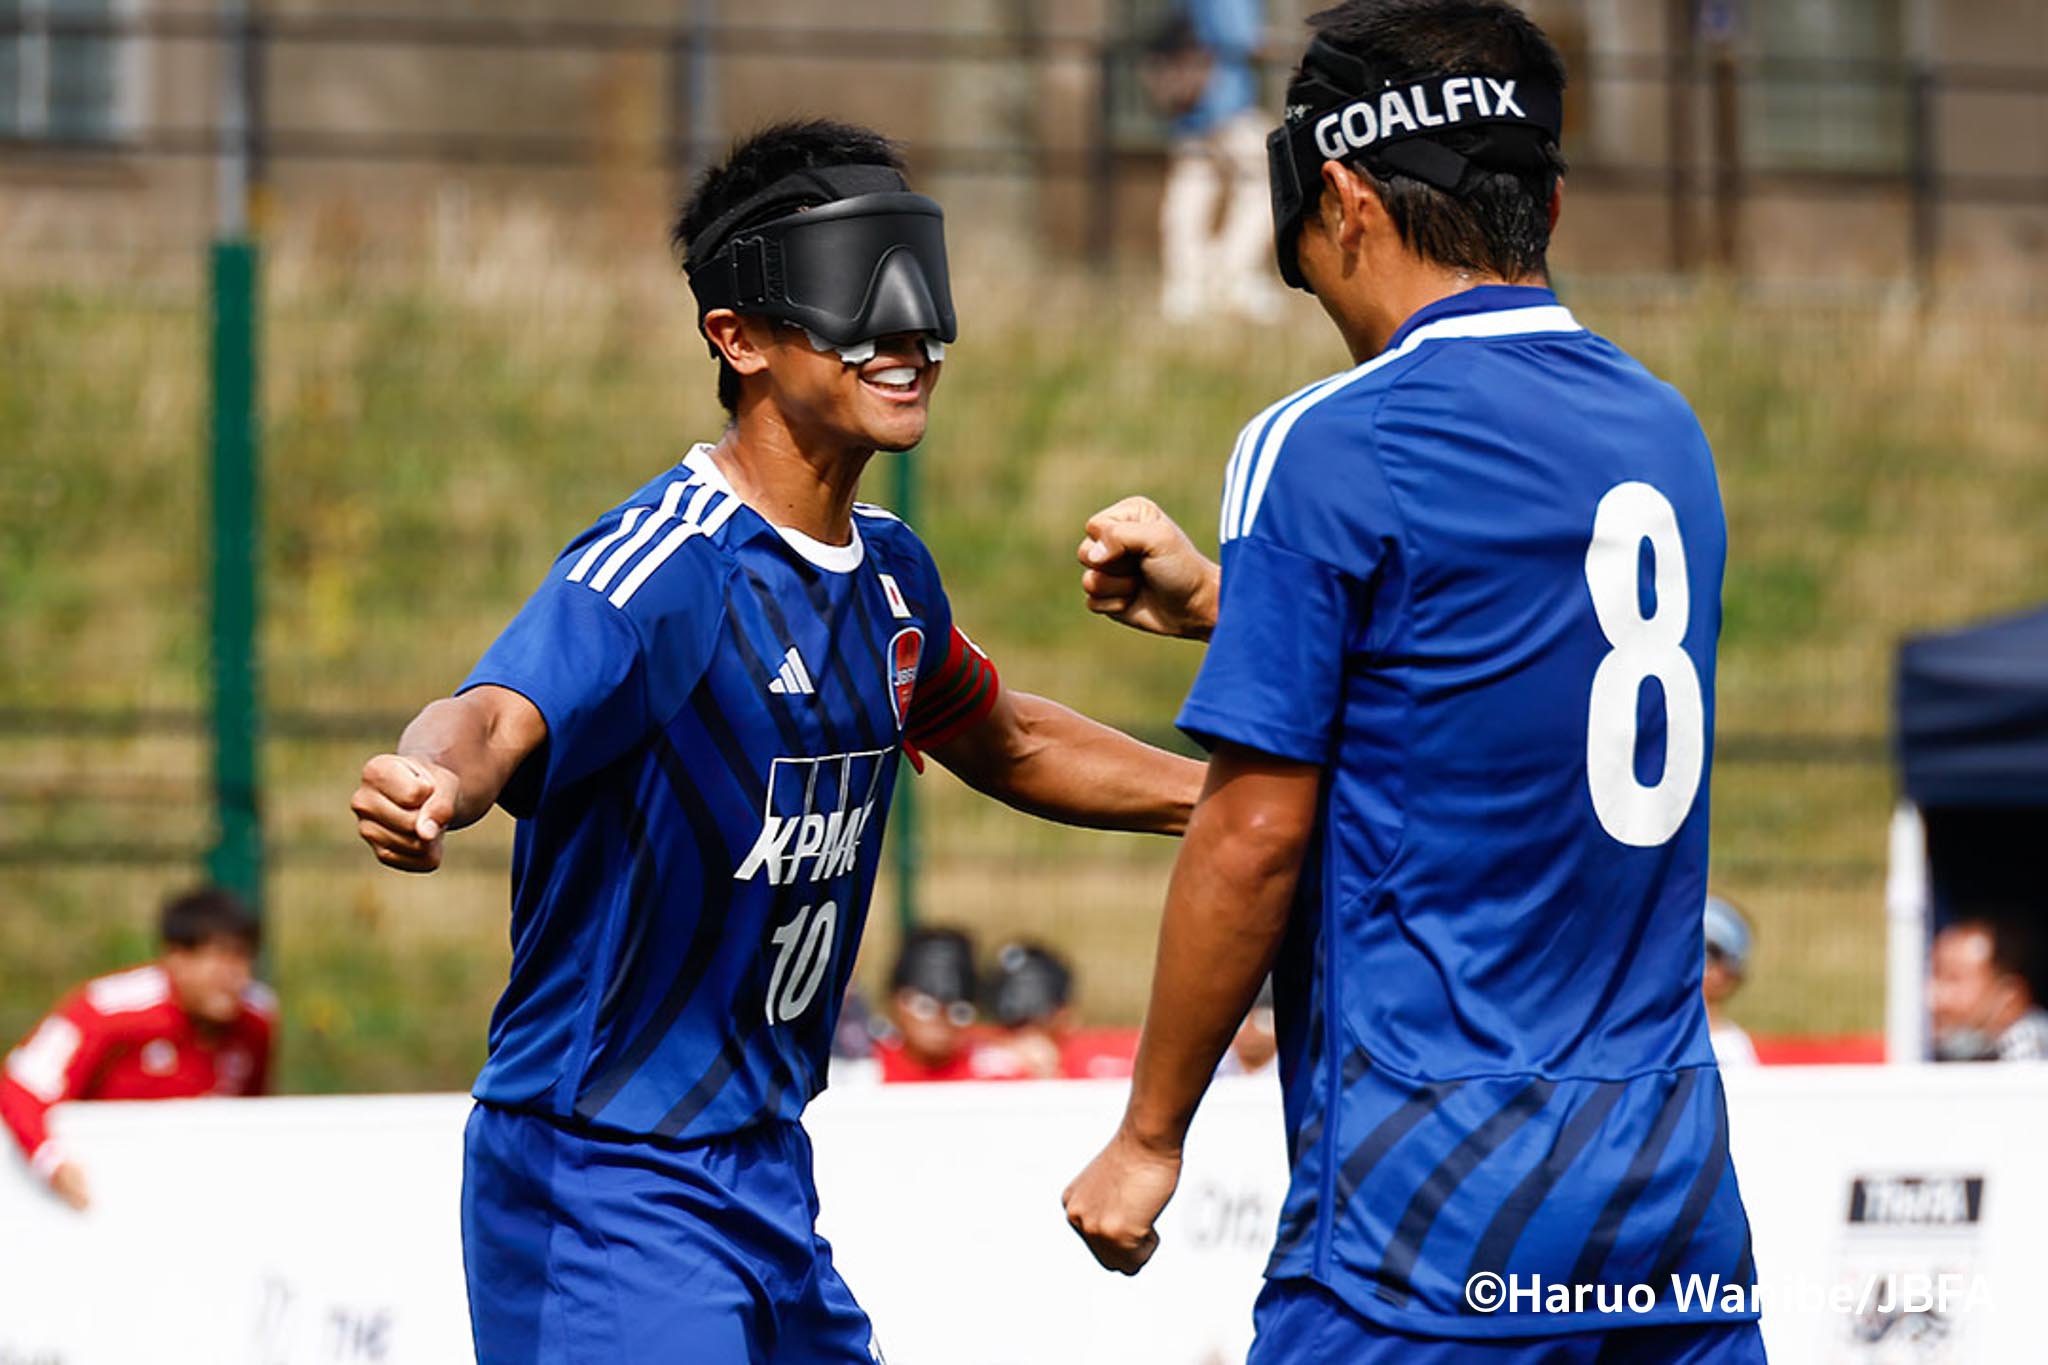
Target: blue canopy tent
1972	712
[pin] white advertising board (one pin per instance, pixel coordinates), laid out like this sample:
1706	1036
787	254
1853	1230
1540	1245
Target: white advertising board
322	1231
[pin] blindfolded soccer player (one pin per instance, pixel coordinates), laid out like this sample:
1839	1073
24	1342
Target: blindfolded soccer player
1459	689
697	719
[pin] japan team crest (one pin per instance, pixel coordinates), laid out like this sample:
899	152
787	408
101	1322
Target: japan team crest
904	653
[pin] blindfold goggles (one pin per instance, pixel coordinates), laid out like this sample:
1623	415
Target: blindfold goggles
869	262
1337	108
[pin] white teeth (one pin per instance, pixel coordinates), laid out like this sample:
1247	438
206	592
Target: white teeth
897	376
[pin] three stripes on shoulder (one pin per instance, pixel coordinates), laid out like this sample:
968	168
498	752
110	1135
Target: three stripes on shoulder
619	563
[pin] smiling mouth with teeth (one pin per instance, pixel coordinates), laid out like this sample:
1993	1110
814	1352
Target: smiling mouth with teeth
896	379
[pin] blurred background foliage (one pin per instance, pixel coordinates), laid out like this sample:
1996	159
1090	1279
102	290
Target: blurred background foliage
438	428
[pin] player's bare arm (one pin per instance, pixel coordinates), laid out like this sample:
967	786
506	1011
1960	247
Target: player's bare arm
1050	761
450	766
1140	568
1226	911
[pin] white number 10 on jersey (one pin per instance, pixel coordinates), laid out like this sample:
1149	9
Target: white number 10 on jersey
1643	647
801	961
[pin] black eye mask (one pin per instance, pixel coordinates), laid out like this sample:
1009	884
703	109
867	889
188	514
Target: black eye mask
868	261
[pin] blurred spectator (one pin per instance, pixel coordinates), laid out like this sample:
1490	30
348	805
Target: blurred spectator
1198	70
1032	999
931	1013
194	1022
854	1038
1728	943
853	1060
1981	995
1255	1045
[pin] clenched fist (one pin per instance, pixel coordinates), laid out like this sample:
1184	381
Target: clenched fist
1140	568
1115	1201
403	809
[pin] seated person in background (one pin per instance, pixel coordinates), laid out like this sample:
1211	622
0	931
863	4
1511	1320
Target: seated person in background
1980	993
1032	998
931	1009
1255	1045
193	1022
1728	942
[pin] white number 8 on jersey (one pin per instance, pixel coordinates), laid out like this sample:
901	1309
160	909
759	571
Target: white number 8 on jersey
1644	647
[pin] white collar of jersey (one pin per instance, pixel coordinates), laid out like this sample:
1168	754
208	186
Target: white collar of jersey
1251	464
831	558
1506	322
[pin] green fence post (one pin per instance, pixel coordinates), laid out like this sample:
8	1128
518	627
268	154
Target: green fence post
903	820
236	860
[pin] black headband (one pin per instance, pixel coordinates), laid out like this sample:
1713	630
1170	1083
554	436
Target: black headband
822	185
1338	107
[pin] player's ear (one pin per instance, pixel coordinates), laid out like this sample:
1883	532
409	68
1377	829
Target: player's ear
743	341
1556	202
1350	206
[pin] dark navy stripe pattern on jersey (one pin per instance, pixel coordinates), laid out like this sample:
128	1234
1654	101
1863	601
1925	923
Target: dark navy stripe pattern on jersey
701	831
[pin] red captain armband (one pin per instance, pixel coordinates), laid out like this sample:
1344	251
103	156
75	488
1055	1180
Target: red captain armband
951	699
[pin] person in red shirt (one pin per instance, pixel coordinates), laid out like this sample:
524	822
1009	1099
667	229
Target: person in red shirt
930	1032
194	1022
1032	999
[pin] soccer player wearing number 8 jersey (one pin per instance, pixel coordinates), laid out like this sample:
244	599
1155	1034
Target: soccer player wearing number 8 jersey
1459	691
698	719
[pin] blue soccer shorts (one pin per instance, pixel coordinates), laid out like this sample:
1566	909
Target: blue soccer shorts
582	1249
1299	1322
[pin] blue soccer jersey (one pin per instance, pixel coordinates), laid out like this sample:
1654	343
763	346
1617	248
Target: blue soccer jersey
725	702
1478	580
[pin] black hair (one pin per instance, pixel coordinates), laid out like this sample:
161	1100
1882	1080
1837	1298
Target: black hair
2016	948
1499	221
2016	944
937	962
755	163
1031	983
207	913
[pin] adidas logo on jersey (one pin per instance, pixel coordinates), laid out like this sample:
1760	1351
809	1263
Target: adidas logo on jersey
792	679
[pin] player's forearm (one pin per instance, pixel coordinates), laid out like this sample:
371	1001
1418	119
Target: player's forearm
1054	762
1226	912
471	738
